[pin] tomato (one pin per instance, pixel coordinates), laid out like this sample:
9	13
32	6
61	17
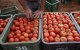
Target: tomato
18	35
57	30
28	31
72	28
35	31
51	29
71	24
13	28
57	39
33	38
25	35
46	39
22	29
46	34
51	39
27	27
66	26
11	40
10	36
70	34
22	38
70	38
25	24
76	35
63	39
45	31
49	21
45	26
26	39
17	28
60	25
1	30
30	35
52	34
77	38
49	25
16	23
18	31
65	21
35	35
63	34
16	40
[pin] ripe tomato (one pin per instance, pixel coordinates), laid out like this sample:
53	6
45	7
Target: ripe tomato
45	31
22	38
16	23
63	39
60	25
27	27
66	26
25	35
18	35
57	30
10	36
45	26
11	40
77	38
51	39
28	31
26	39
51	29
76	35
18	31
35	35
63	34
17	28
46	34
16	40
57	39
30	35
49	21
1	30
33	38
22	29
46	39
70	38
52	34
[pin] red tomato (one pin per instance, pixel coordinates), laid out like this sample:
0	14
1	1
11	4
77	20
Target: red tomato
10	36
70	34
33	38
63	34
13	28
60	25
26	39
71	24
22	38
11	40
46	34
16	23
30	35
49	21
77	38
35	35
25	35
16	28
27	27
45	26
70	38
57	30
45	31
57	39
16	40
22	29
63	39
18	31
76	35
51	29
66	26
18	35
1	30
28	31
51	39
46	39
52	34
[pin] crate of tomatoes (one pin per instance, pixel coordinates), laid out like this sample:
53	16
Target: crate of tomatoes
59	32
21	34
76	18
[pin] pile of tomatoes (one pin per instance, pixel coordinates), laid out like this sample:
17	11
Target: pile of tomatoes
23	30
3	23
77	17
57	27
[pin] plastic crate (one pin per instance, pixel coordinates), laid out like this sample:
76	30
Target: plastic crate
52	7
9	10
31	45
76	24
60	45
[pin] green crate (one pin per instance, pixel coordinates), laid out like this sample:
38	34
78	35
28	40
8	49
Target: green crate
52	1
31	45
9	10
52	7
